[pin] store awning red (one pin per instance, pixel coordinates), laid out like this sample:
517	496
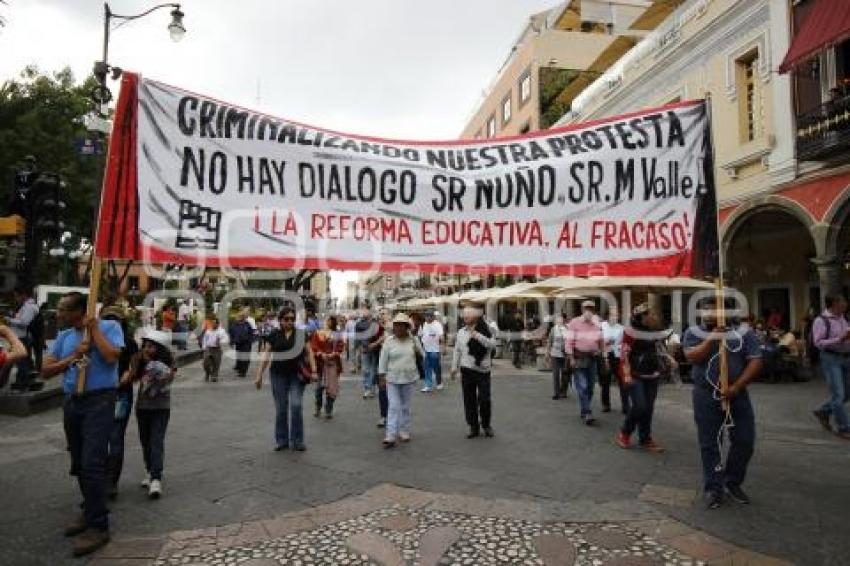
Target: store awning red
827	24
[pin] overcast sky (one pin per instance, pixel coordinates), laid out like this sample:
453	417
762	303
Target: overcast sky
408	69
411	69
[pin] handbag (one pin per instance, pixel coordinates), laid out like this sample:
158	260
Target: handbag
305	373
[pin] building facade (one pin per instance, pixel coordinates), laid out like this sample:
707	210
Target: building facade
558	53
782	168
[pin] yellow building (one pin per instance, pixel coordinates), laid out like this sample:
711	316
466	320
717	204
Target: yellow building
557	54
780	140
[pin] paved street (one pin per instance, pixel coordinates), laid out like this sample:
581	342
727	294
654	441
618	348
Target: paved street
220	470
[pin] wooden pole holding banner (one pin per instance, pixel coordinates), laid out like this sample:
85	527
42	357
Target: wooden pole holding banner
720	296
91	312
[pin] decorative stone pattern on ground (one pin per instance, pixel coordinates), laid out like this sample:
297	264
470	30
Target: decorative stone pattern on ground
394	526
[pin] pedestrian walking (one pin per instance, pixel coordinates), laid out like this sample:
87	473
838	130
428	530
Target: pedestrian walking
328	345
352	346
375	344
242	339
398	371
369	331
214	339
88	415
431	335
612	333
473	344
25	324
642	367
555	357
831	336
291	364
702	349
153	369
517	330
123	402
584	346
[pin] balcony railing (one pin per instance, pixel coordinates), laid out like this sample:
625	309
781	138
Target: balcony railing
824	133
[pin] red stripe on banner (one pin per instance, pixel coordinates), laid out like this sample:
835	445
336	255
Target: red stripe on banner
674	265
531	135
117	223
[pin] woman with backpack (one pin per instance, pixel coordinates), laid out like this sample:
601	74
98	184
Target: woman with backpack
153	369
643	362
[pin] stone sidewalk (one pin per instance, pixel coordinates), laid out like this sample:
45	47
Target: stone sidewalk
394	526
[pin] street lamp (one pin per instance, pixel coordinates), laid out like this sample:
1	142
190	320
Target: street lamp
101	94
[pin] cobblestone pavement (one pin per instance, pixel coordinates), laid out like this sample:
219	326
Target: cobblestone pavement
390	525
544	472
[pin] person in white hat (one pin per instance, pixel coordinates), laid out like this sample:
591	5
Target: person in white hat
153	369
584	346
397	368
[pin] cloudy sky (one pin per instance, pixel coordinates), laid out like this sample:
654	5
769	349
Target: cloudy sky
392	68
408	69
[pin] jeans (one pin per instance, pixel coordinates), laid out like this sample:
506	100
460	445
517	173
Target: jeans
584	380
560	377
115	448
708	415
476	398
835	372
243	358
288	390
643	393
88	423
399	396
432	369
152	426
369	367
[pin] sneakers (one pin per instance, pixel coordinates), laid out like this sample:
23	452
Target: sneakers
440	387
88	541
738	494
146	482
404	436
589	420
389	442
155	490
75	527
652	446
713	499
623	440
366	394
425	389
382	423
823	419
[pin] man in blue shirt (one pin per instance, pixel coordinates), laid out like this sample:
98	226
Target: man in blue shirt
702	346
88	415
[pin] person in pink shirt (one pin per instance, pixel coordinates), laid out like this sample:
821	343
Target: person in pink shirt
584	346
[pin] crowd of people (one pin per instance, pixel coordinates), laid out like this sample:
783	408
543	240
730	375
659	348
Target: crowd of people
101	364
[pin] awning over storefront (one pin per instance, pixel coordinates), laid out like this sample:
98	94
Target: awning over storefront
827	24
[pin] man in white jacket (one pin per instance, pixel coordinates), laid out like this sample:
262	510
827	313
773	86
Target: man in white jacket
473	345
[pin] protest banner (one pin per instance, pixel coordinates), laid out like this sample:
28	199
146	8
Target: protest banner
194	180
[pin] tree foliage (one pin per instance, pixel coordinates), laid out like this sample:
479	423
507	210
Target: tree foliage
43	115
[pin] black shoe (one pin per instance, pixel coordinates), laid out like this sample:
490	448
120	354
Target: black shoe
823	419
713	499
474	433
280	447
555	397
589	420
488	432
606	409
738	494
299	447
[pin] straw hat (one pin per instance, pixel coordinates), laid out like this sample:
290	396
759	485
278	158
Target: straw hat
402	319
588	305
158	337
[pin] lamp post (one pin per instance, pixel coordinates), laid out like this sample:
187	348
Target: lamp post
102	95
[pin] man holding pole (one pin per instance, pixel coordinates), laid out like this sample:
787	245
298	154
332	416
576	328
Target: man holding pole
89	409
715	408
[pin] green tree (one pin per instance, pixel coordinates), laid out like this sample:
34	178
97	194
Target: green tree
43	115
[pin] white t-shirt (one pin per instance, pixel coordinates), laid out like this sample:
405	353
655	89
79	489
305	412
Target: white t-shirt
613	336
215	338
430	334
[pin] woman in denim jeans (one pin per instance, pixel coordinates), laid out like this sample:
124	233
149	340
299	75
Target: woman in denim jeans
152	368
398	370
285	354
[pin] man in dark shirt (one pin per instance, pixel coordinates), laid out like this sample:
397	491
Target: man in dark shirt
702	346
